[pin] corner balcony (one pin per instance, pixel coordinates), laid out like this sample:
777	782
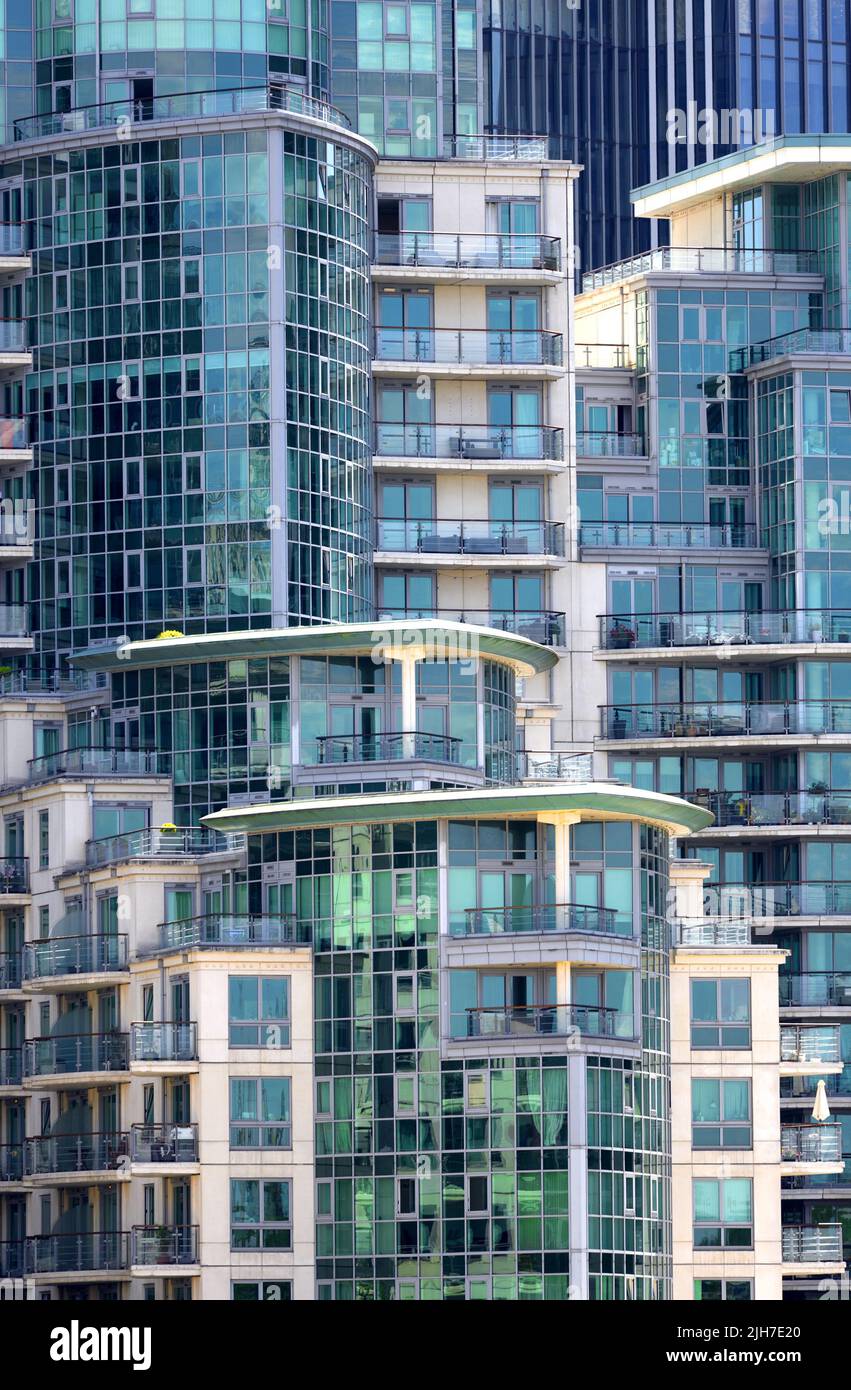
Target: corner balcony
436	542
96	1255
812	1250
159	1251
233	931
771	810
816	990
657	632
442	257
598	444
558	917
548	629
728	720
162	844
99	762
811	1149
616	535
76	1159
714	932
185	106
468	352
810	1049
170	1147
703	260
75	1061
801	342
522	445
11	1070
78	962
540	1021
14	353
163	1049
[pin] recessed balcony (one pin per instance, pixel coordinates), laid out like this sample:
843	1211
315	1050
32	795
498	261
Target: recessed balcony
89	1256
545	918
443	256
726	719
438	541
596	444
161	1249
488	444
805	627
808	1049
615	535
76	1158
158	1049
811	1149
174	1147
537	625
75	1060
816	989
85	962
232	931
477	352
812	1249
541	1021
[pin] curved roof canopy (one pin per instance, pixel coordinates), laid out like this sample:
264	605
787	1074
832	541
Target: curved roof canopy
426	638
587	800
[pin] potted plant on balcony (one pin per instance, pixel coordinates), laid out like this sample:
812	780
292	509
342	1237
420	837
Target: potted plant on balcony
621	636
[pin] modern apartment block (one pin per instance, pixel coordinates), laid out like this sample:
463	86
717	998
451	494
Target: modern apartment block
344	953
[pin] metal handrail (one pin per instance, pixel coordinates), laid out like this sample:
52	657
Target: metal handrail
810	1042
73	1253
164	1143
74	1153
15	874
538	625
11	1066
163	1042
233	929
701	259
333	749
533	148
488	442
815	988
813	1143
449	537
544	917
76	955
540	1020
610	444
813	899
164	1245
515	347
812	1244
814	807
127	762
661	536
738	628
153	843
726	718
488	251
74	1053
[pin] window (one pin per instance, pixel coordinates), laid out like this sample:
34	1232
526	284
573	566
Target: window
478	1199
406	1196
406	1093
44	839
720	1013
259	1011
723	1213
721	1114
260	1113
43	923
260	1215
476	1084
723	1291
265	1291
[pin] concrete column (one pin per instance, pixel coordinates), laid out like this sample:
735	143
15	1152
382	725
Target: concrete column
577	1127
408	663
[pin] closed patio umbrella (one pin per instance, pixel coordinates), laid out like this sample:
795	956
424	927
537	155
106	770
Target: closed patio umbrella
821	1109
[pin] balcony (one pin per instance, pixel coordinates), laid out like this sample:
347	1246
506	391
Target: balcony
229	931
11	1066
615	535
476	347
445	251
182	107
163	1246
75	1055
72	1154
531	149
698	260
95	1252
598	357
163	1042
334	750
14	621
14	433
487	443
42	683
713	932
67	956
11	1163
488	539
10	971
619	631
555	767
812	1245
13	337
548	629
548	1020
774	808
609	444
14	876
781	899
727	719
803	1044
12	240
160	844
802	342
813	1143
560	917
99	762
166	1143
816	989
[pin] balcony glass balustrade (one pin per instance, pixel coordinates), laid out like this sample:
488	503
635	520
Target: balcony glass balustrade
234	929
803	1042
97	1251
164	1245
816	989
488	538
812	1244
488	442
74	1053
696	260
537	625
445	251
555	917
780	899
811	1143
75	955
74	1153
620	631
335	749
164	1143
164	1042
546	1020
814	807
473	346
660	536
725	719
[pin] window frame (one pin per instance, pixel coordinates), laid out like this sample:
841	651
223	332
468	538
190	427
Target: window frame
259	1124
261	1226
